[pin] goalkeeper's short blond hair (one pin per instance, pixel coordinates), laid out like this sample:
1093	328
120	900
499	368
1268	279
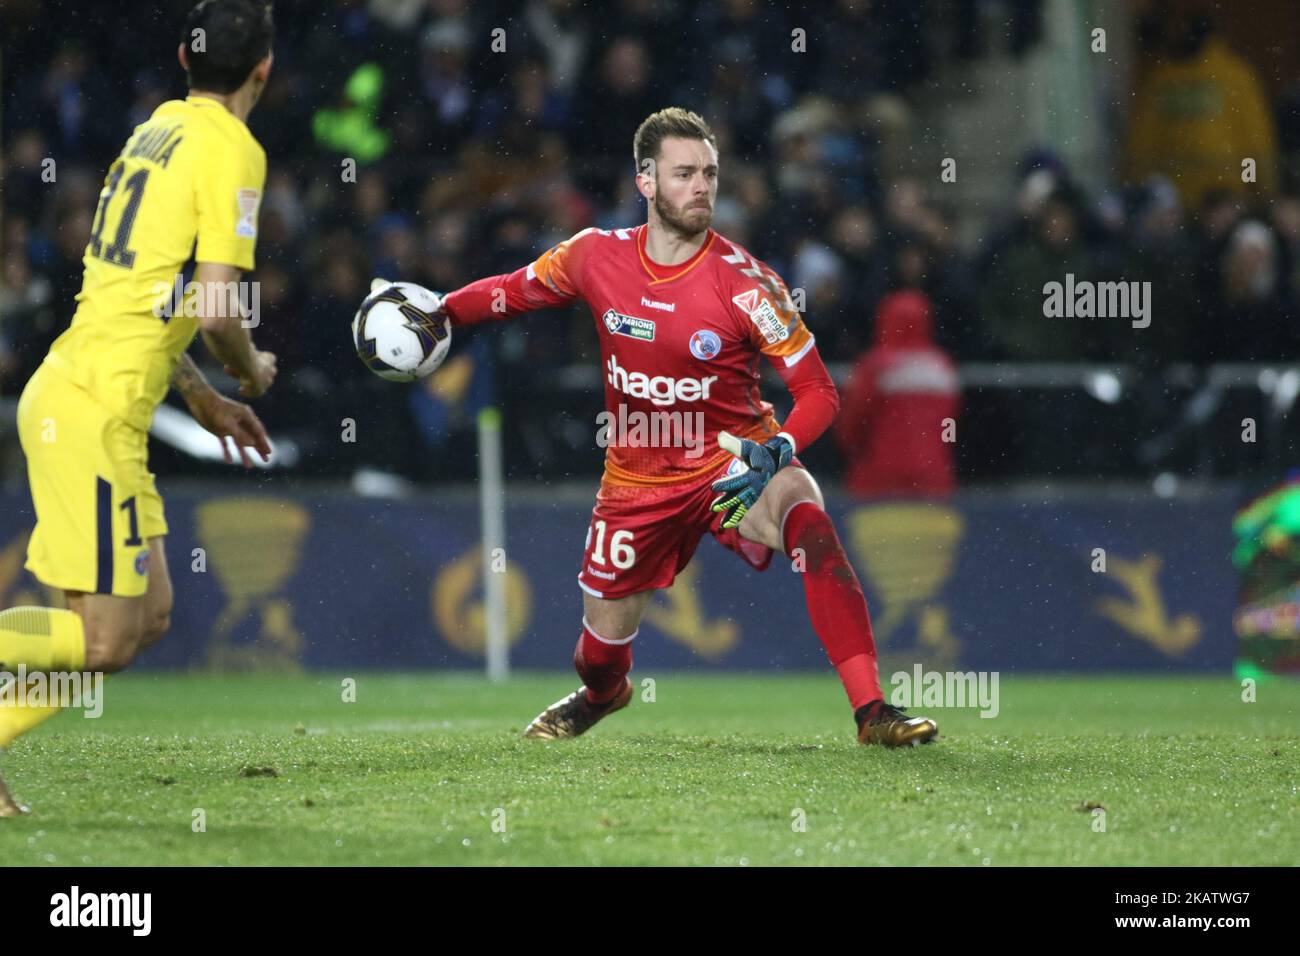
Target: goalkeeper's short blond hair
673	121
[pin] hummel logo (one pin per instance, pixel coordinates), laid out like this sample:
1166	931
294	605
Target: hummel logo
665	306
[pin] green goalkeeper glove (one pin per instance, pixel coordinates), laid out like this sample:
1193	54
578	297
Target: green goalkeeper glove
737	494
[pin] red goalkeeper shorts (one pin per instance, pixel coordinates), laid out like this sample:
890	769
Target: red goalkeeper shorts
641	537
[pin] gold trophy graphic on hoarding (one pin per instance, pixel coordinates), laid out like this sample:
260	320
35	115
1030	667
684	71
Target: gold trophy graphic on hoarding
456	600
253	545
680	614
1144	615
908	551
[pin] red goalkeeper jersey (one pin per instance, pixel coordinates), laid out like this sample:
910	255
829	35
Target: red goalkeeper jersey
679	345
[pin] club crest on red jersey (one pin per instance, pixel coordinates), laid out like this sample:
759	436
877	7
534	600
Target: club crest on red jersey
705	344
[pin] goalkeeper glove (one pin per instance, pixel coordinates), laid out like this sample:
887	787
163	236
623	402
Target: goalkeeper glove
737	494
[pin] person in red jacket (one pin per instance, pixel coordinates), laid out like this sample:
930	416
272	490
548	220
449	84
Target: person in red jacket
900	404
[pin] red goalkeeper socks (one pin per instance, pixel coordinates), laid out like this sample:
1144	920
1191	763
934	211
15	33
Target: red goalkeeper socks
836	605
602	664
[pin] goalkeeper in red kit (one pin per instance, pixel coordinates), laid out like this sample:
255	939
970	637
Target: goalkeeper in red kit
683	315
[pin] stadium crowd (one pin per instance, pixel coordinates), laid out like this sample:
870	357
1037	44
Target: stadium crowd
470	159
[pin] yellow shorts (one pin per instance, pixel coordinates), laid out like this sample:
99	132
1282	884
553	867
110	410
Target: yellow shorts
96	502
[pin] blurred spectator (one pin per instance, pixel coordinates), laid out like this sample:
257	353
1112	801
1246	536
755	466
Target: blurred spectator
559	29
72	232
1286	221
908	213
865	279
1254	313
527	106
1011	299
820	284
880	43
1199	111
614	99
975	26
732	92
1288	129
1163	253
444	79
28	321
23	194
70	104
350	128
894	420
448	400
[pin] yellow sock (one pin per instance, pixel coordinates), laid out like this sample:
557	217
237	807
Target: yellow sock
41	639
17	719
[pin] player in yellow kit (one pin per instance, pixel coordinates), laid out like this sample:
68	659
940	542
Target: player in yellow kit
187	183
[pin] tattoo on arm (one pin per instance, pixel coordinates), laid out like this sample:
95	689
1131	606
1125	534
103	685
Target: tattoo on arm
187	379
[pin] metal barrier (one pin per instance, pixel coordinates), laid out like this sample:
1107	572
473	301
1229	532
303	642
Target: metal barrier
1019	420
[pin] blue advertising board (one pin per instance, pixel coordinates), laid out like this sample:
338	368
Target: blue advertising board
280	580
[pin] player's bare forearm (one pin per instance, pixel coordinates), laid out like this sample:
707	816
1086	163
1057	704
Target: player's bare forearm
189	381
220	317
219	314
232	347
254	369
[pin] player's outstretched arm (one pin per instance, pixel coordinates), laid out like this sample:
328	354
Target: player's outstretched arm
549	281
221	321
224	418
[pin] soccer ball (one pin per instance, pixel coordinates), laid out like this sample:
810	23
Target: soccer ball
398	332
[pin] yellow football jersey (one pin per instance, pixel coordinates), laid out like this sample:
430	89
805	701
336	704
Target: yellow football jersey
188	182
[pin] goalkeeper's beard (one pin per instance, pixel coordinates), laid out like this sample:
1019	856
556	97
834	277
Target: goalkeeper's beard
676	218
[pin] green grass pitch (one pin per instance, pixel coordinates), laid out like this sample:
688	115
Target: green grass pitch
430	769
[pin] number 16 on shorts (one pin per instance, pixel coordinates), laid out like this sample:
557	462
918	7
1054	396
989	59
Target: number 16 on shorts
621	553
607	553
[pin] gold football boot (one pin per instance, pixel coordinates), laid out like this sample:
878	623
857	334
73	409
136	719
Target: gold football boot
574	714
885	724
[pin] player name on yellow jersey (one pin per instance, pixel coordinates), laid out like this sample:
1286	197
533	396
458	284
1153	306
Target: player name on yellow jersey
155	144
